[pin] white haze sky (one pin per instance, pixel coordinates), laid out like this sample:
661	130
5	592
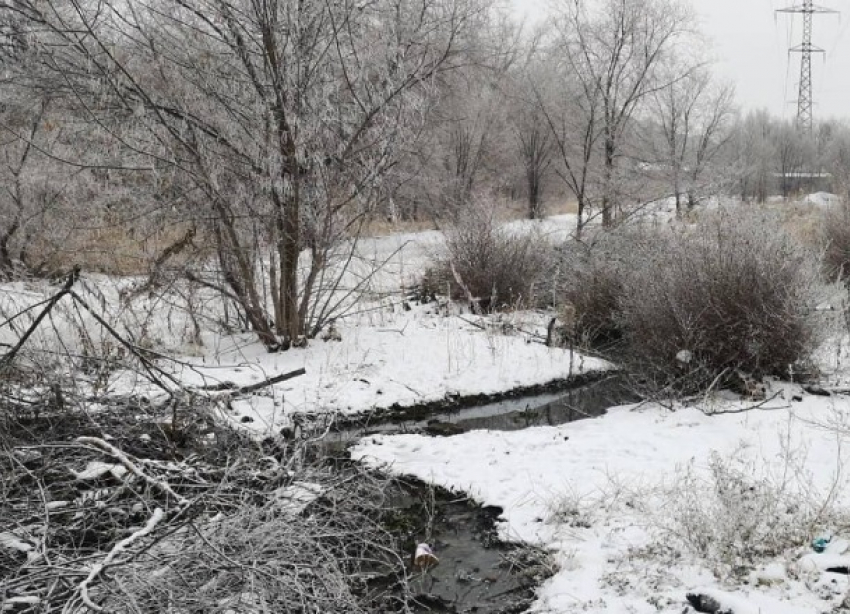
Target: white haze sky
749	42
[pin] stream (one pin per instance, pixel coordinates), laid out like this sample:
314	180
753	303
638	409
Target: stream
478	572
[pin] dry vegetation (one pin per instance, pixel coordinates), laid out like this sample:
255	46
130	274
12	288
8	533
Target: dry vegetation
117	512
491	267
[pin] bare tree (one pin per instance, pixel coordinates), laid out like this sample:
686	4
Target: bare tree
535	147
281	115
572	119
754	152
795	157
693	116
615	50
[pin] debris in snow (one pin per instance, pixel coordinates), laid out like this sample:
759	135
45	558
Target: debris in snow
819	544
718	602
298	495
706	604
13	542
424	557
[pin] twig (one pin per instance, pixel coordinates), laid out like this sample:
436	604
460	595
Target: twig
147	364
83	587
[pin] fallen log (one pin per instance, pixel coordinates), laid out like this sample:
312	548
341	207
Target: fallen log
271	381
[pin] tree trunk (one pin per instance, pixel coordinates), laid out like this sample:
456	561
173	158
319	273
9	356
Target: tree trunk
607	197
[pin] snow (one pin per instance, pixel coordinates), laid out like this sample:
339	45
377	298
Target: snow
392	354
11	541
604	496
96	469
387	359
822	199
597	494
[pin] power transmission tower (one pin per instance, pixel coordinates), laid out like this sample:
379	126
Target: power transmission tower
804	100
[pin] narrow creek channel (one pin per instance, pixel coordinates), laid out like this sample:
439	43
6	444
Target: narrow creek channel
477	572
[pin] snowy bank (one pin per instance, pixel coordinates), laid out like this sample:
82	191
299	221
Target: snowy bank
386	360
606	496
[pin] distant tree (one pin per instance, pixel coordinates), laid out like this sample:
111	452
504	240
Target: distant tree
693	117
572	119
794	153
534	138
619	53
754	149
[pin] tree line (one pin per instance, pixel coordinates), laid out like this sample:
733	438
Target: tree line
252	141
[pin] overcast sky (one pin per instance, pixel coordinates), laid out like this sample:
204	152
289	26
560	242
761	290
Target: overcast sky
749	44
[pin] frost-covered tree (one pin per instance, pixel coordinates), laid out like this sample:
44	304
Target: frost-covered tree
280	116
618	53
692	116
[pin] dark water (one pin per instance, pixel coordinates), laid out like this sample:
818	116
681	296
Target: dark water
550	409
477	572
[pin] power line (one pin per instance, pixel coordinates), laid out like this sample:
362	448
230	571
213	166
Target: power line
804	100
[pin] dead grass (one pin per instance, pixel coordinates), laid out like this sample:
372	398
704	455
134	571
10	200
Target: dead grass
113	249
506	210
382	227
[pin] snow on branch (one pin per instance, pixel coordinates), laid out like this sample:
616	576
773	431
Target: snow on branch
108	448
117	549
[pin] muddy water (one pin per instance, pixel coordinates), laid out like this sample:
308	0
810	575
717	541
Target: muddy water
477	572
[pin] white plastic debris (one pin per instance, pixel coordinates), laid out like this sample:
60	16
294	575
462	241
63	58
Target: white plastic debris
424	557
684	357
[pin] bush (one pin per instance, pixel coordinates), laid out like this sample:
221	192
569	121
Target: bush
591	282
489	265
835	236
734	295
734	521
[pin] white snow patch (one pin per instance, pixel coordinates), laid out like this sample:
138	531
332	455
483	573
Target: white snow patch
13	542
822	199
97	469
592	492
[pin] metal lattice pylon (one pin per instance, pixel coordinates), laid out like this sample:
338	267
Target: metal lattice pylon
806	49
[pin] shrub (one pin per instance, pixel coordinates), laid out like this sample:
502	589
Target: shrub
591	282
490	265
734	519
733	295
835	237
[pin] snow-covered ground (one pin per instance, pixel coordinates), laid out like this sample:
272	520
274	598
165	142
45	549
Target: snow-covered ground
391	352
621	500
386	357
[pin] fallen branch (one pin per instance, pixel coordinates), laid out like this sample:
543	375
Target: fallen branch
66	289
271	381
